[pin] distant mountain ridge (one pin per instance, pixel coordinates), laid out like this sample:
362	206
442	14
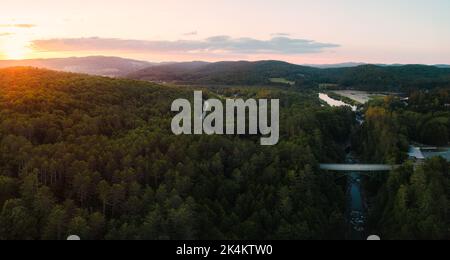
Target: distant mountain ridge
357	64
336	65
365	77
94	65
225	72
395	77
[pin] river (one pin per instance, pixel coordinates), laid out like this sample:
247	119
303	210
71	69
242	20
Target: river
443	152
356	209
356	213
335	103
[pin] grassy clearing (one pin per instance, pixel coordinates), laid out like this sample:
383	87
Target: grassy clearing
282	81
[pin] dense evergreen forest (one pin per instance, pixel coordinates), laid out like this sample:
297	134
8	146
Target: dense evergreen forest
95	157
413	201
391	124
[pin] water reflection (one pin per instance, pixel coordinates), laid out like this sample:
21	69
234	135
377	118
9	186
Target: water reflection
443	152
335	103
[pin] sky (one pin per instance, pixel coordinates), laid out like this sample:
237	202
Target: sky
297	31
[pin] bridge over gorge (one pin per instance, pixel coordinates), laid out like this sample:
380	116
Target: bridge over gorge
357	167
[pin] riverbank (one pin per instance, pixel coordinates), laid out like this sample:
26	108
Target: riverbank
336	95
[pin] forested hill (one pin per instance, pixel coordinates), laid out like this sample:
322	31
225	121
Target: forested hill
95	157
223	73
365	77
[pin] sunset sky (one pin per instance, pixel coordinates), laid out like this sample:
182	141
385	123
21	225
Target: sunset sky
298	31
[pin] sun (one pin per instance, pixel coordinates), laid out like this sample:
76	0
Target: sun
15	50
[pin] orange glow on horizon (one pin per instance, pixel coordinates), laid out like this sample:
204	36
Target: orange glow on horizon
15	49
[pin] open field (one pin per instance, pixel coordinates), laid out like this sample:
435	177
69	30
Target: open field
282	81
358	96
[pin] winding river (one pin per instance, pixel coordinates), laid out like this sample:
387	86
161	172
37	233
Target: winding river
356	209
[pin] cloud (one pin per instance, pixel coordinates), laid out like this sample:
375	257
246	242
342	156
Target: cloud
191	33
19	25
216	44
281	34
